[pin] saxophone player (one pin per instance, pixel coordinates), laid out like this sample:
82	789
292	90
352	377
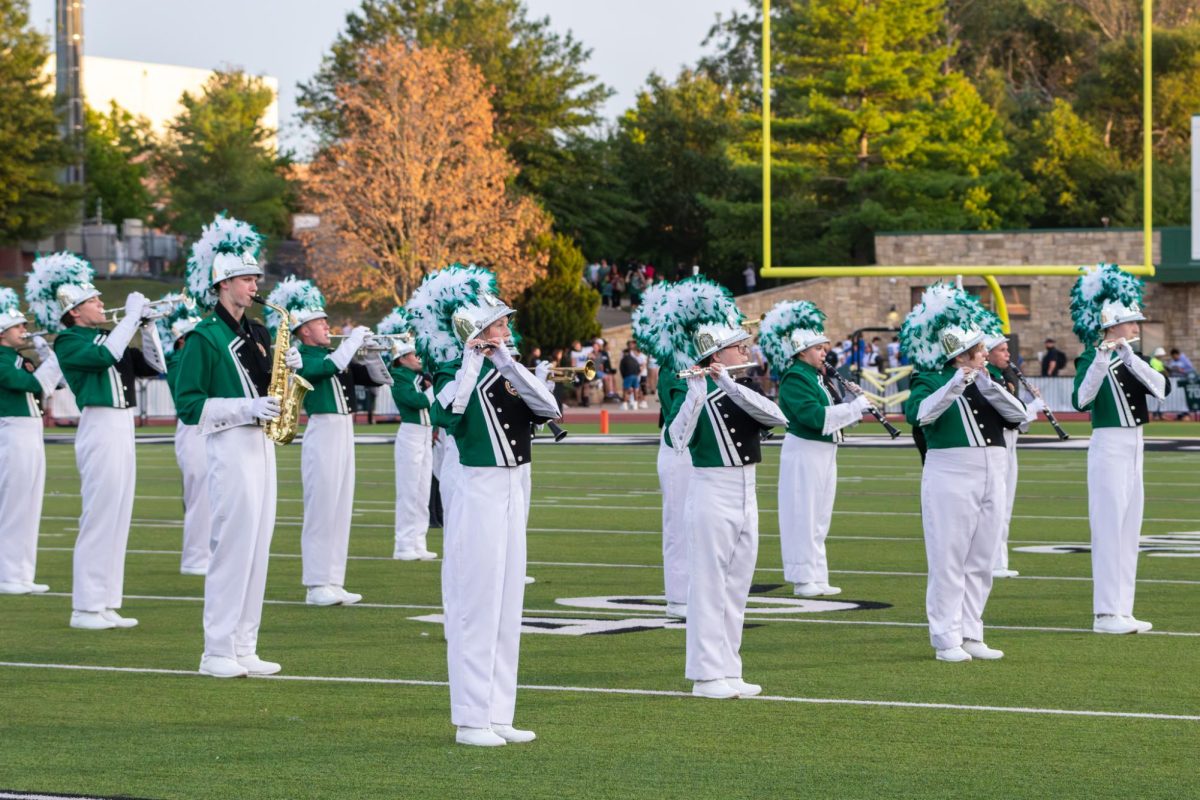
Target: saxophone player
222	388
327	453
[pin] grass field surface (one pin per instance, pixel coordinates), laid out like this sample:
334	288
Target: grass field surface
854	704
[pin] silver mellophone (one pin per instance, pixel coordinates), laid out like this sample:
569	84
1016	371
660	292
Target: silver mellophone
698	372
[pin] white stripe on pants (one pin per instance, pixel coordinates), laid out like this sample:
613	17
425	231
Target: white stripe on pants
1115	503
241	490
1010	486
674	472
807	489
107	477
722	520
484	592
414	476
192	456
327	471
22	483
962	508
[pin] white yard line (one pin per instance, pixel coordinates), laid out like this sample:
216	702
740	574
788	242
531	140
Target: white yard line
834	701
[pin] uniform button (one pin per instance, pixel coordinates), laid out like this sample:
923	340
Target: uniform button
491	394
733	430
737	445
519	458
512	441
726	416
989	441
506	426
974	411
1127	394
745	458
1137	420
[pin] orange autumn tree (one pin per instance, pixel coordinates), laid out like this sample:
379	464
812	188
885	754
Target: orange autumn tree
417	181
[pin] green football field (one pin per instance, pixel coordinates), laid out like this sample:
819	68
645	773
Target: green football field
854	704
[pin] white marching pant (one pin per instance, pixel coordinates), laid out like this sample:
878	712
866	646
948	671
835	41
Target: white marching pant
192	456
107	476
1010	485
962	509
22	483
807	489
1115	503
450	473
484	590
327	471
722	520
241	490
674	472
414	476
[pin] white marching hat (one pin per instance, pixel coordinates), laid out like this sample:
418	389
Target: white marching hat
10	311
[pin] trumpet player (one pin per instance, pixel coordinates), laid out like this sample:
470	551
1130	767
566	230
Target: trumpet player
327	453
720	423
793	334
22	453
222	389
101	370
174	327
1114	384
490	404
414	442
962	413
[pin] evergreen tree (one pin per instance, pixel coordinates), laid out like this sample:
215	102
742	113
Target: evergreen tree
32	152
118	150
560	307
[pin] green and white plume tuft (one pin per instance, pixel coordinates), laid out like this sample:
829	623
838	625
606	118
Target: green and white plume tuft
650	330
942	305
692	302
778	325
296	296
41	288
434	302
163	324
395	323
223	235
1096	286
10	303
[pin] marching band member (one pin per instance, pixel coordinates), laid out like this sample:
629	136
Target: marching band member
414	442
720	422
327	451
1114	384
999	368
222	388
22	453
962	413
173	331
490	404
793	337
101	369
654	336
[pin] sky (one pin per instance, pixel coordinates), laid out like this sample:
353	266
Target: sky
287	38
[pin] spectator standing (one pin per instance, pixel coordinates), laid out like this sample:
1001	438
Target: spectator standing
630	379
750	276
1053	361
1156	364
606	288
618	287
1179	364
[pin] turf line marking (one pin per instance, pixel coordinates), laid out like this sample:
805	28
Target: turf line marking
1070	712
569	611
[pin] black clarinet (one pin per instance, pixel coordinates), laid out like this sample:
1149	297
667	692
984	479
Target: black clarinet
845	391
1062	435
559	432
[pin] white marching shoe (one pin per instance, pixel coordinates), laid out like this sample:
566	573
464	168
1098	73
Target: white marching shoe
13	587
742	688
830	591
479	737
953	655
1141	625
810	589
406	555
677	610
256	666
718	689
91	621
1111	623
981	651
1005	573
117	620
193	570
38	588
530	579
426	555
323	596
513	735
222	667
348	598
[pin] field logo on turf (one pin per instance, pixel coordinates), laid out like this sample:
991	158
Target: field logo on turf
1182	544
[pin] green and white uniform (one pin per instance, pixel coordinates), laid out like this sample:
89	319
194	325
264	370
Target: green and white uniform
674	472
414	463
192	459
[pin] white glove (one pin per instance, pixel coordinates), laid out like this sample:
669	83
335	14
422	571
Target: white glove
698	385
358	336
42	348
135	305
542	370
292	359
1126	353
861	403
265	408
348	349
501	357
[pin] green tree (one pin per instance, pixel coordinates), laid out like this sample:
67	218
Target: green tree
560	307
218	156
32	153
542	90
118	151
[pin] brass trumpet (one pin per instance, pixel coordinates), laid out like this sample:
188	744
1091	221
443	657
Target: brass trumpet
694	372
567	374
155	309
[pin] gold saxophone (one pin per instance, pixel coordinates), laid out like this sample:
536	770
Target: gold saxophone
286	386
